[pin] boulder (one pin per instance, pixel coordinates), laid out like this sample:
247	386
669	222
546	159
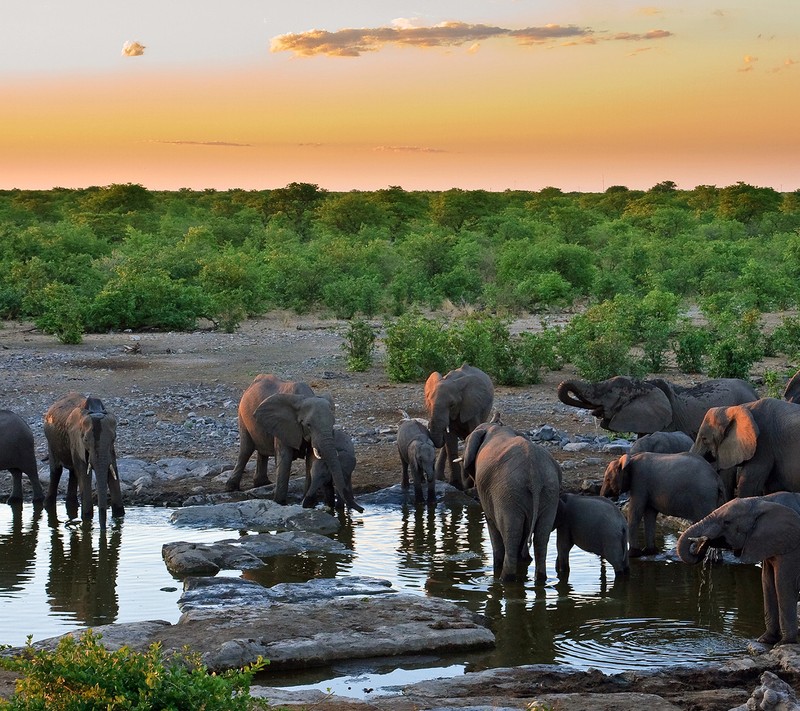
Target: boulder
256	515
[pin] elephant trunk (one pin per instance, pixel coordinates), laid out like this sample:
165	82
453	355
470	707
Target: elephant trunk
327	452
569	392
438	423
102	471
695	541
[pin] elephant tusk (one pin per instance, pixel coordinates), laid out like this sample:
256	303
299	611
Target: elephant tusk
114	473
317	455
458	460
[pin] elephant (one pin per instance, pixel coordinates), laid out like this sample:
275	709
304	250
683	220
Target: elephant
456	404
285	419
321	477
418	454
682	485
792	391
756	529
663	443
518	484
626	404
81	437
761	439
594	524
17	454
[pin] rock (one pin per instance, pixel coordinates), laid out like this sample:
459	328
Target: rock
256	515
244	553
773	694
396	495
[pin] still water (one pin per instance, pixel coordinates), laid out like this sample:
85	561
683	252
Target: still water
55	578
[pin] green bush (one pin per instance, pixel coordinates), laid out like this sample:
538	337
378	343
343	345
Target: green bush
80	674
537	352
415	347
359	345
691	345
738	344
61	314
786	338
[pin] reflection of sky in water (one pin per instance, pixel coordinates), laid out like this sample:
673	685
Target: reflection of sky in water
664	613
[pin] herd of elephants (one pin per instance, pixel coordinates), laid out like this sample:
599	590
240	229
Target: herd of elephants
715	454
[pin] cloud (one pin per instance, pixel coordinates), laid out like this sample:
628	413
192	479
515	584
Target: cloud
650	11
408	149
352	42
132	49
638	37
229	144
749	62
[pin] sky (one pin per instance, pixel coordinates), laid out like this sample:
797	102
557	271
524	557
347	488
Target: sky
426	95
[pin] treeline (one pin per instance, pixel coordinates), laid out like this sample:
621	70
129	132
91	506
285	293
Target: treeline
122	256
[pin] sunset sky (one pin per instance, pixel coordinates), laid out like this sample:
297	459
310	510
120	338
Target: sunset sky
496	94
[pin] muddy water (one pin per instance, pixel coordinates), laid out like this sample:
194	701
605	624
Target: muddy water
54	579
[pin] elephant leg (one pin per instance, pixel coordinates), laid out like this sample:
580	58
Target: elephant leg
772	613
431	489
650	515
417	475
498	550
261	477
283	461
16	487
635	513
56	470
246	449
564	545
114	488
404	480
84	479
72	495
786	589
542	527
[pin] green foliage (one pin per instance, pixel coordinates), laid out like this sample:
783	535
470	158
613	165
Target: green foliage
738	344
62	313
786	338
774	384
415	347
80	674
359	345
691	345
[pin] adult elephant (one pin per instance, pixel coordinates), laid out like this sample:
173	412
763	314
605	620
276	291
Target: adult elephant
456	404
792	391
626	404
682	485
322	479
285	419
756	530
81	436
761	439
518	484
17	454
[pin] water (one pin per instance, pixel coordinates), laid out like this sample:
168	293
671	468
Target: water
54	578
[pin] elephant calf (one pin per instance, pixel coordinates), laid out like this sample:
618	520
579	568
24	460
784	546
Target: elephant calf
321	478
81	435
594	524
682	485
757	529
17	454
417	454
518	484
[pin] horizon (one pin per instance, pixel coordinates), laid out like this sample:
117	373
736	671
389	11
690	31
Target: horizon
509	95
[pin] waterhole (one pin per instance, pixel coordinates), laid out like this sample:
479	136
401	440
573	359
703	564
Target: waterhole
55	578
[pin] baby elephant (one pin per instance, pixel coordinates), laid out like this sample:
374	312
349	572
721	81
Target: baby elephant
594	524
418	454
663	443
320	476
683	485
17	455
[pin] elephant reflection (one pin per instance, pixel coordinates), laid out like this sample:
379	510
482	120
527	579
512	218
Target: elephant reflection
18	549
82	580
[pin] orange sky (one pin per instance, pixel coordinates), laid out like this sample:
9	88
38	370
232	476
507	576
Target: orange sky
495	95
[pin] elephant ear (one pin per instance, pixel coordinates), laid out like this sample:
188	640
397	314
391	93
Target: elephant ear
739	438
277	415
472	445
649	412
431	384
775	531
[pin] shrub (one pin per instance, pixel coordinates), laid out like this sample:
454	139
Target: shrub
739	343
415	347
691	345
537	352
61	313
82	674
359	345
786	338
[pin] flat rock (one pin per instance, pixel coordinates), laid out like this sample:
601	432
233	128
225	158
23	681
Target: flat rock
396	495
256	515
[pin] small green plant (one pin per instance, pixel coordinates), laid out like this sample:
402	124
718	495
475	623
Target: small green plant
739	344
786	338
691	346
774	384
415	347
359	345
61	313
81	674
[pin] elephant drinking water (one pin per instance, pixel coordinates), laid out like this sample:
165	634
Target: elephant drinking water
17	454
